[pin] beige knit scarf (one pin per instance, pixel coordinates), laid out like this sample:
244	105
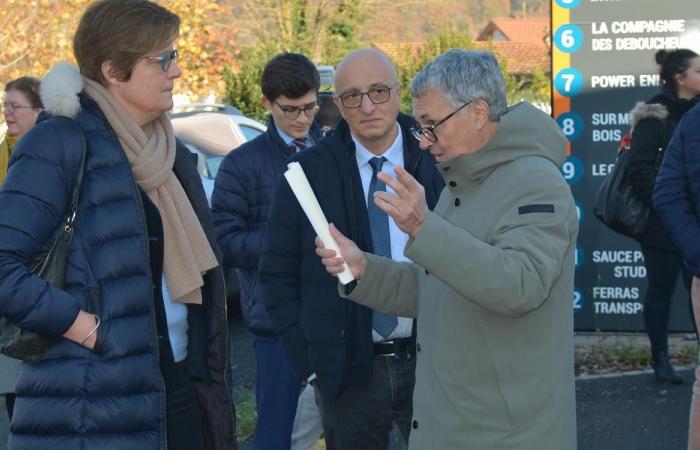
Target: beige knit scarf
151	154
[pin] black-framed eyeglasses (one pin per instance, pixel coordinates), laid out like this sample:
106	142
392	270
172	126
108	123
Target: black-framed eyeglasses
292	112
11	106
377	94
165	58
429	132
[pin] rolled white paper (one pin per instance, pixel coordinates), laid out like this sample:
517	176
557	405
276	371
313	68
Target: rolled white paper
309	203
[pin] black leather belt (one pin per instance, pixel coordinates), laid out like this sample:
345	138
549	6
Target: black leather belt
395	347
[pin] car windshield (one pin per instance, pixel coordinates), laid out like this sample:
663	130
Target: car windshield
250	133
213	163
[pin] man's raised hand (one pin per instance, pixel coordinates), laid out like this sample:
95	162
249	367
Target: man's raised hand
408	207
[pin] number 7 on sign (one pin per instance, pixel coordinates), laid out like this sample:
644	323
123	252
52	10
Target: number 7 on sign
569	82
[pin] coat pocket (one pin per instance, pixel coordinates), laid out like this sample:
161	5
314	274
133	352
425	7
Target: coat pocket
94	306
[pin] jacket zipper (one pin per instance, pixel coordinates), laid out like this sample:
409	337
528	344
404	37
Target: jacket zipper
164	426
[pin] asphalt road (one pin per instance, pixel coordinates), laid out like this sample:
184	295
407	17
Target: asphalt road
633	412
622	412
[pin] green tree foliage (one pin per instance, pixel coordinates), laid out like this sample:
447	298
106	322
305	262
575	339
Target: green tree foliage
324	30
36	34
243	82
448	38
533	87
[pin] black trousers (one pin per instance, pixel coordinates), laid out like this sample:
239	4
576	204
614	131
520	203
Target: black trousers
184	418
662	267
362	418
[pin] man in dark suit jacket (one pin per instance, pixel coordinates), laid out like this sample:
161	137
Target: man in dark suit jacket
242	196
363	377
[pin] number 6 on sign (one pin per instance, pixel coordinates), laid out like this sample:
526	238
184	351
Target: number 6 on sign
568	38
569	82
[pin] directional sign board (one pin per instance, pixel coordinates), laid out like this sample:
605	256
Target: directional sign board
602	64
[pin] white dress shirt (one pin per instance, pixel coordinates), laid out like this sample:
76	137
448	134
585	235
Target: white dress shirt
176	316
394	157
289	140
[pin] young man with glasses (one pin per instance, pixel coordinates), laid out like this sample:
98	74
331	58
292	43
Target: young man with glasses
361	364
493	273
243	191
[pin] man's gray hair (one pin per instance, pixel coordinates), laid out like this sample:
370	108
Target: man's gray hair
464	76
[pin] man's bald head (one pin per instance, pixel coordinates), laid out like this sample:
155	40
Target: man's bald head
368	97
361	60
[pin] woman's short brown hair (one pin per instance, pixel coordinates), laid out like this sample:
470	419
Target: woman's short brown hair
121	31
29	86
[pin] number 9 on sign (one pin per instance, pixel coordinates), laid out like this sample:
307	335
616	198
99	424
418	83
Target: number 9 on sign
569	82
572	169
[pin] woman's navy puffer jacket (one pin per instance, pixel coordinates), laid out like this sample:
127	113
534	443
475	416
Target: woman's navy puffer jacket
112	397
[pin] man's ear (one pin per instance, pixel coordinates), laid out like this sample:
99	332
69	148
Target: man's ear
111	73
481	111
267	104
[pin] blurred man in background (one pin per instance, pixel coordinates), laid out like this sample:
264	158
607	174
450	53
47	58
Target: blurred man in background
243	192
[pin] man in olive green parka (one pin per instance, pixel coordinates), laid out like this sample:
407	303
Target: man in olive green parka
493	267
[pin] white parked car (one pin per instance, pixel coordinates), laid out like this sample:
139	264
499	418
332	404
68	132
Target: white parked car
211	132
211	135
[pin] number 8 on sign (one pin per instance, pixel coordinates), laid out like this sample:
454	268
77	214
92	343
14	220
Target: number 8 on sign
569	82
571	125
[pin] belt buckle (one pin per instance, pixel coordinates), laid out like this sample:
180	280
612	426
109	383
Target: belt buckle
398	354
382	345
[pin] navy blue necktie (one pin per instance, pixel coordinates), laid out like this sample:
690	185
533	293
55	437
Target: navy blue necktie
379	226
300	143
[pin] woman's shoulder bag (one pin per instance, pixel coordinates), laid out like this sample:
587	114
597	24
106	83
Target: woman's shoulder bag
51	267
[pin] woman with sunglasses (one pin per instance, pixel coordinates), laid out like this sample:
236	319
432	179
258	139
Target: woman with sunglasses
138	354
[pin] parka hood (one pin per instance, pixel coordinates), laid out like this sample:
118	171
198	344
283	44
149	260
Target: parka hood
524	131
644	110
662	106
60	89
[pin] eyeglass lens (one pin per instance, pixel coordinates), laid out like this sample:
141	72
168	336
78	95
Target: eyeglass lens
168	57
13	106
377	95
292	113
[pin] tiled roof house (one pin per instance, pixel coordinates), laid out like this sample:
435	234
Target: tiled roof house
522	43
534	30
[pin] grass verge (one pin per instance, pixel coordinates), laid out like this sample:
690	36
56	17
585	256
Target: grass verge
625	354
245	414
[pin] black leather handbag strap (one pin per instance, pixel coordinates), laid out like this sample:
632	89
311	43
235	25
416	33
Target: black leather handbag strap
79	179
51	264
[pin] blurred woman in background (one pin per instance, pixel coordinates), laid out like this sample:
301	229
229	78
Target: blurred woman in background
21	107
653	123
